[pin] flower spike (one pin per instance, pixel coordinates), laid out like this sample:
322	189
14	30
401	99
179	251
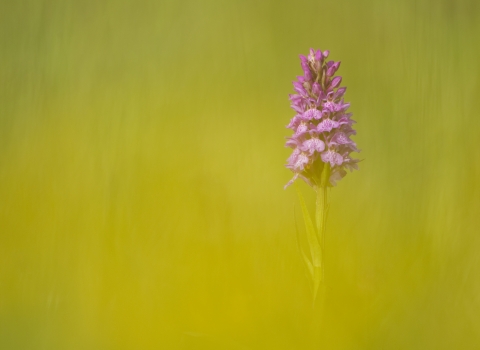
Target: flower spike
322	127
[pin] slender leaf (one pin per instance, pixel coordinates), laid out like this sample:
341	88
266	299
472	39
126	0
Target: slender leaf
306	260
315	248
311	236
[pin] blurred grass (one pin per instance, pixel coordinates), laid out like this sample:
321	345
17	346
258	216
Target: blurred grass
141	175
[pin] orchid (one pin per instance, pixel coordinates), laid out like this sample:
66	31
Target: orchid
321	147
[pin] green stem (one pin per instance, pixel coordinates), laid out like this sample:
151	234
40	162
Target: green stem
321	218
321	224
321	212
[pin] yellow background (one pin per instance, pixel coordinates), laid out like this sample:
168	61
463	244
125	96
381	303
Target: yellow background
141	175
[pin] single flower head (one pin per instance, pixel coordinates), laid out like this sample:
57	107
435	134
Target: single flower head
321	126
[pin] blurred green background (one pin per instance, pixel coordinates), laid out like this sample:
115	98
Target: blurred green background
141	175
